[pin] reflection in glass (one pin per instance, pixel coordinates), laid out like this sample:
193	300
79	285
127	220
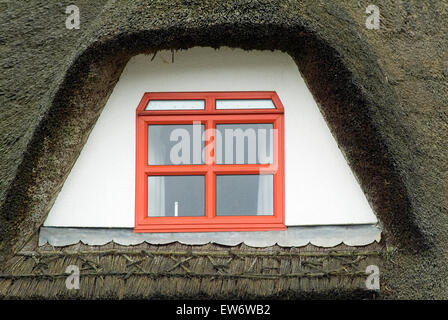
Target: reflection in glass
176	196
251	143
245	104
175	144
175	105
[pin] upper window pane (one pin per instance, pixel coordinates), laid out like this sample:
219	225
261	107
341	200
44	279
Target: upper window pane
251	143
175	105
175	144
245	104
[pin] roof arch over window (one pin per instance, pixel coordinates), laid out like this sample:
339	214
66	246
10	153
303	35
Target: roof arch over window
342	83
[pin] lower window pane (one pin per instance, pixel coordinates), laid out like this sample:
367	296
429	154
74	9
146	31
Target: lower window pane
244	195
176	196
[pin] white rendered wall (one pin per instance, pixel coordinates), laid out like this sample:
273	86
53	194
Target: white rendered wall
320	187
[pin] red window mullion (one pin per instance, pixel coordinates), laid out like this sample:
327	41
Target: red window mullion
210	194
210	162
181	170
209	104
245	169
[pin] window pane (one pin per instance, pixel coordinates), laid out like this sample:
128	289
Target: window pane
245	104
176	196
175	105
245	143
244	195
175	144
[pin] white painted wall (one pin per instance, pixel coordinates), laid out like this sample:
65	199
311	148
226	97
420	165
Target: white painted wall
320	187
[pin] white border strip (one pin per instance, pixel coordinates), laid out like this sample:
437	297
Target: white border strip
322	236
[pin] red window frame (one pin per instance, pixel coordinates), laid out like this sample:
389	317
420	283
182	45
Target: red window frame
209	116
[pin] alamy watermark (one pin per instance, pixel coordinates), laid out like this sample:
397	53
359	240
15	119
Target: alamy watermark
72	281
373	278
373	20
227	146
372	281
230	146
73	19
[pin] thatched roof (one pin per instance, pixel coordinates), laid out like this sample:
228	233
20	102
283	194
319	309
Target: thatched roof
181	271
383	93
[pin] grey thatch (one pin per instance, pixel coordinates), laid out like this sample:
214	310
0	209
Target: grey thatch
181	271
383	93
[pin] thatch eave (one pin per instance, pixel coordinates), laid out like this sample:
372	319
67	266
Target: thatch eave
177	271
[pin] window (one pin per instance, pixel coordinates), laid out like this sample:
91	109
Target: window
210	161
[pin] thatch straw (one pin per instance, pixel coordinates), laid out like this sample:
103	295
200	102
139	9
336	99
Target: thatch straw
176	270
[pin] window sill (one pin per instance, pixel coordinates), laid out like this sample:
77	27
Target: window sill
293	236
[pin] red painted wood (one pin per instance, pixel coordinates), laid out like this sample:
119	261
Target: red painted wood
210	117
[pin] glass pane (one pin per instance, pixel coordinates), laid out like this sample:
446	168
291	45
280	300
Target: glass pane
245	104
175	144
176	196
244	195
251	143
175	105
